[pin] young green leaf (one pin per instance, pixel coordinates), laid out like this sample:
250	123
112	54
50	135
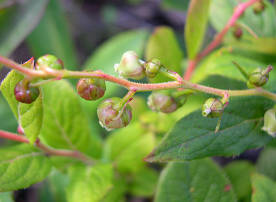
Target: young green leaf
57	182
162	40
22	166
30	118
29	115
267	162
10	123
7	89
220	63
54	31
64	122
195	27
128	146
194	136
18	22
6	197
90	184
117	192
175	4
196	181
263	189
144	182
239	174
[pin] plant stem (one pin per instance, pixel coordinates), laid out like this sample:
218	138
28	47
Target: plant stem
48	150
133	86
238	11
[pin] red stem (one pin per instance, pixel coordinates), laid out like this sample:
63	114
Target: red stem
218	38
48	150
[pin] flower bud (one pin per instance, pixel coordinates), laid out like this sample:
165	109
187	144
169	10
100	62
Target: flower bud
212	108
259	77
130	66
24	93
49	61
112	115
258	7
90	88
237	32
152	68
161	102
270	122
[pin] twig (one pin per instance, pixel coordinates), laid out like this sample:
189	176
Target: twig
138	87
48	150
240	8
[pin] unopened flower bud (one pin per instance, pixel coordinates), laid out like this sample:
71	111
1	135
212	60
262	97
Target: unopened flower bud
91	88
49	61
258	7
237	32
270	122
259	77
112	115
130	66
212	108
161	102
24	93
152	68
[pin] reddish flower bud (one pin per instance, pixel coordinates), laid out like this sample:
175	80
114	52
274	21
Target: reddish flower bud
237	32
162	102
91	89
259	77
113	115
130	66
24	93
258	7
49	61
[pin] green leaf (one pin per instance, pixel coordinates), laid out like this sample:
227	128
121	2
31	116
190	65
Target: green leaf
144	182
163	45
110	53
29	115
196	24
128	146
30	118
267	162
64	122
194	136
90	184
118	191
7	89
52	36
260	45
263	24
220	63
6	197
195	181
57	182
18	22
263	189
10	123
22	166
239	173
175	4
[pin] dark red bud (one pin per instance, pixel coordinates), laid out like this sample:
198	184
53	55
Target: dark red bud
91	89
24	93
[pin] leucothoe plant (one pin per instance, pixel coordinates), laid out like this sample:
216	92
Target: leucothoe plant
96	129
